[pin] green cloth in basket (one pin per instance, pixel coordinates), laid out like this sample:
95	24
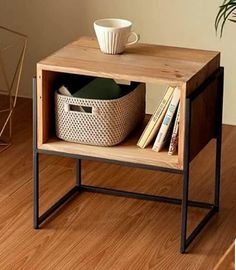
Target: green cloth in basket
101	88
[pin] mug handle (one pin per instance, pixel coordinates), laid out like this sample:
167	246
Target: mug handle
137	38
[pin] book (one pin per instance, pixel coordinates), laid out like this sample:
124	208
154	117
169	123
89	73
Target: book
155	121
159	142
166	141
174	137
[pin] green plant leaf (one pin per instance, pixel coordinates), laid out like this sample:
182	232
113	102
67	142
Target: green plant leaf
226	12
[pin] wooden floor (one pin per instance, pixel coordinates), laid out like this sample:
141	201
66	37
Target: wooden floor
95	231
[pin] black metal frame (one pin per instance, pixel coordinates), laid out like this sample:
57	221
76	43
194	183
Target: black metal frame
184	202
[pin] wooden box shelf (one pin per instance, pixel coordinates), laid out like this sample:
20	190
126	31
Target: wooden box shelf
198	75
187	68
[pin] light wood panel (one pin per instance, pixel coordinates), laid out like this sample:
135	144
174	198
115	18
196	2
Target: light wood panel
102	232
143	62
181	139
45	104
126	151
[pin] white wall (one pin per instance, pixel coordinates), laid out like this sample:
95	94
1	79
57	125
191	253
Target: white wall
185	23
49	26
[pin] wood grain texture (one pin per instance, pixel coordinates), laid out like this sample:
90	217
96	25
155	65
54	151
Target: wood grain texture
142	62
126	151
95	231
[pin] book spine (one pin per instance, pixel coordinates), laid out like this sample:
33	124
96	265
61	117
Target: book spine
166	121
155	121
174	137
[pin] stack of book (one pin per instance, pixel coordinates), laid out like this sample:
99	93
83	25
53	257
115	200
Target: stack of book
163	126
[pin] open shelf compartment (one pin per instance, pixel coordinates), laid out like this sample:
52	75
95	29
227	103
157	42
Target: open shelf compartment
126	151
144	63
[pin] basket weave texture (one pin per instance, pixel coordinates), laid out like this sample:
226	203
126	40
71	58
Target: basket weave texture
109	123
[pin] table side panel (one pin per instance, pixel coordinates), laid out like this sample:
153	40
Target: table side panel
45	105
191	86
203	118
198	78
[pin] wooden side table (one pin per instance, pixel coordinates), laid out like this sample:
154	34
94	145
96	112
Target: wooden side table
196	72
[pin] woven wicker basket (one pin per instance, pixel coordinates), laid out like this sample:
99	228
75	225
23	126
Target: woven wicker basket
109	122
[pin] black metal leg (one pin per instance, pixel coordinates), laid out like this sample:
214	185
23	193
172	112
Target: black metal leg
219	139
184	218
35	160
185	241
78	173
217	173
184	211
36	189
70	194
37	218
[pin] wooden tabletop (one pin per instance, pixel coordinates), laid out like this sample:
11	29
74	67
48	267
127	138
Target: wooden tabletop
141	62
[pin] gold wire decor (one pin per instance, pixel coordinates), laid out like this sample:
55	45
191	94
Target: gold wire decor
11	85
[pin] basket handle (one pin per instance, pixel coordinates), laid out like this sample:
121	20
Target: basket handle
80	109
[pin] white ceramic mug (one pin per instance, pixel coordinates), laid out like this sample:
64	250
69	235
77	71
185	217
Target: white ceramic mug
113	35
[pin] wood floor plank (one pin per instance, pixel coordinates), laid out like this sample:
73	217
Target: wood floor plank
227	262
95	231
